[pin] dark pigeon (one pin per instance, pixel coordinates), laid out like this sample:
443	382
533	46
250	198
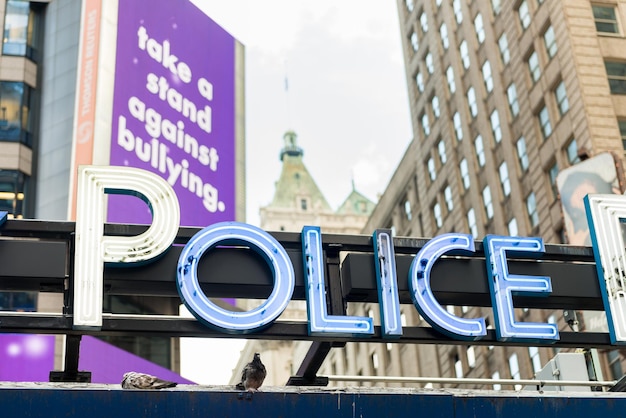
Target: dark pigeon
134	380
252	375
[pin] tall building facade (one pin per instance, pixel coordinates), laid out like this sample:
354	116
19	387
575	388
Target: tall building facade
504	95
37	88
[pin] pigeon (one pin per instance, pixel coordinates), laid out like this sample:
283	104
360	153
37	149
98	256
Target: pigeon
135	380
252	375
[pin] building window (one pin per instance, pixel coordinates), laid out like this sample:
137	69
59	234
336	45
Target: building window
487	77
458	13
503	170
447	195
503	44
415	41
552	173
480	28
450	77
524	14
13	186
407	210
425	124
471	357
550	41
514	369
622	131
533	353
18	301
437	215
443	31
511	94
615	365
512	228
441	147
616	72
471	101
522	154
480	150
424	22
303	204
561	98
495	126
464	173
15	103
432	169
430	66
458	128
419	80
496	376
21	29
487	202
544	122
435	105
531	207
533	66
458	367
605	18
471	222
572	152
464	50
496	6
375	363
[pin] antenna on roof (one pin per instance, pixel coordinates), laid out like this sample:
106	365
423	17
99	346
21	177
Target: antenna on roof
287	107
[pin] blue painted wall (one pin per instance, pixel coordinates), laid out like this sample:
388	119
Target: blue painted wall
67	400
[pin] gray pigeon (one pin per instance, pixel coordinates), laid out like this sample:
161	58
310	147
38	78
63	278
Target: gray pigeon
134	380
252	375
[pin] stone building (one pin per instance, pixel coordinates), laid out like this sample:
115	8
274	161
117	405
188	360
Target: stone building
504	95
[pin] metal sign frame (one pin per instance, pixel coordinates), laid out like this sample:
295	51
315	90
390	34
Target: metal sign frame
350	274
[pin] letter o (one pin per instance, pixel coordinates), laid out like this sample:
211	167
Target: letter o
235	233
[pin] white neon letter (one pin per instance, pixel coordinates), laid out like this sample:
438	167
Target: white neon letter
504	285
422	294
387	279
605	215
320	323
93	248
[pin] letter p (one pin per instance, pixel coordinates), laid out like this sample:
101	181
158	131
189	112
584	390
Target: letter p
93	248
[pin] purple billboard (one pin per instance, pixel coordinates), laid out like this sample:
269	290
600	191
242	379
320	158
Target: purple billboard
174	108
26	358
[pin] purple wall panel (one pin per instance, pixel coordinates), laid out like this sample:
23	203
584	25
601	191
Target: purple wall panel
108	363
26	358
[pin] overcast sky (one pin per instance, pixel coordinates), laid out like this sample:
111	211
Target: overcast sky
346	100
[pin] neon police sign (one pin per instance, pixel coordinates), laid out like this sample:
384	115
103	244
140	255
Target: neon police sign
93	249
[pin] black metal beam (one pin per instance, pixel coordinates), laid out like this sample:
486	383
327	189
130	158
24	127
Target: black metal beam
71	372
235	272
279	330
38	255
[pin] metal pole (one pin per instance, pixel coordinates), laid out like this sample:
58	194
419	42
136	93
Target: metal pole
468	381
